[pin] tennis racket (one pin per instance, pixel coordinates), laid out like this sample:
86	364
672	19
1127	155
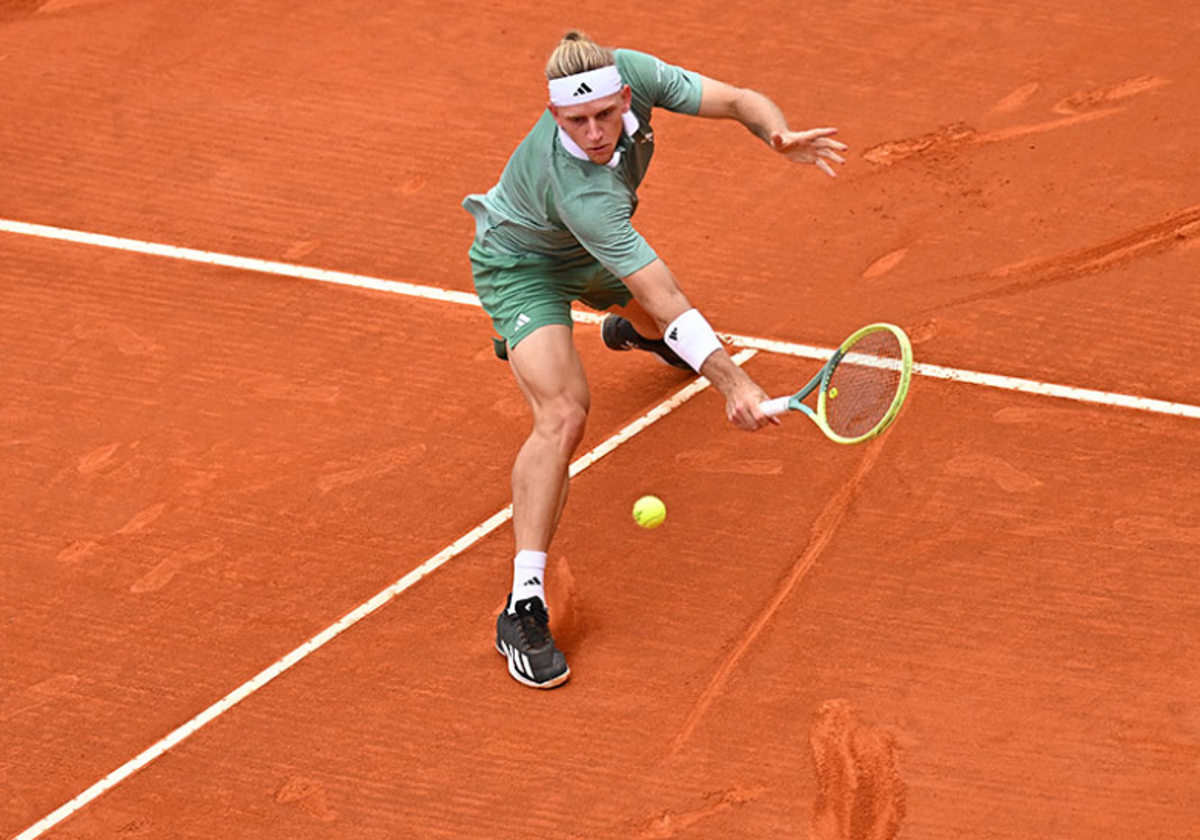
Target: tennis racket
860	389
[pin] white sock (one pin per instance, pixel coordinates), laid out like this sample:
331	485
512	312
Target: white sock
529	576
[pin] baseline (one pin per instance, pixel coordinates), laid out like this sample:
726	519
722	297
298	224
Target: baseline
989	380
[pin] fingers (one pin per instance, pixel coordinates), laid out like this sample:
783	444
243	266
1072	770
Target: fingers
750	418
815	146
817	138
821	138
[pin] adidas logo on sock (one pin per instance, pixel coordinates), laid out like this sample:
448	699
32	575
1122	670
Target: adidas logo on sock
674	336
533	581
582	89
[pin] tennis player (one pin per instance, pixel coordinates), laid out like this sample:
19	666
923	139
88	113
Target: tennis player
558	228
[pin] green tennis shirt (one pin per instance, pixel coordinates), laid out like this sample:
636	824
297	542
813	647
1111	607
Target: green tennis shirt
550	203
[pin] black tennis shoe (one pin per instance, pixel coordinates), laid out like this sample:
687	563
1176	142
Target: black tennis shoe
619	334
523	638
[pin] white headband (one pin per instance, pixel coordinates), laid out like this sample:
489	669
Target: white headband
586	86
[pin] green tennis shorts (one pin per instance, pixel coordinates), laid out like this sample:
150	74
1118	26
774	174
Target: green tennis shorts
523	293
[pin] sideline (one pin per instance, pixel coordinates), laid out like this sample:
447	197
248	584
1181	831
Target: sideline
354	616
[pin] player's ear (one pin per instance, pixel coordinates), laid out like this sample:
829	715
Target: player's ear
626	98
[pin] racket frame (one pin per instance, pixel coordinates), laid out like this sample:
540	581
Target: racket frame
820	383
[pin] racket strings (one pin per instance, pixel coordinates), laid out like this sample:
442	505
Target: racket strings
864	384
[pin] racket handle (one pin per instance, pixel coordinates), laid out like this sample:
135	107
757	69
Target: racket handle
775	407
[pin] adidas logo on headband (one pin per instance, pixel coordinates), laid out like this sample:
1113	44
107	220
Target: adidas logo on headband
584	87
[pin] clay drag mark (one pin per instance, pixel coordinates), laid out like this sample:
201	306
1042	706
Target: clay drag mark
823	530
673	824
1103	97
307	795
860	794
1164	236
1077	108
960	135
954	136
16	9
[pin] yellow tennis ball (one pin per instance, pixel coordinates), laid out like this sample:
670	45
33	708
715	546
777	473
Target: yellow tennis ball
649	511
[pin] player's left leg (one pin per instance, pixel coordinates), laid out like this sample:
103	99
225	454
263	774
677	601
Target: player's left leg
642	321
628	326
620	333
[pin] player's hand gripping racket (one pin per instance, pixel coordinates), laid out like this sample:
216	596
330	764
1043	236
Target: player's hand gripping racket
860	389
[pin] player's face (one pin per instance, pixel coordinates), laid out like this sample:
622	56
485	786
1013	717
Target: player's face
595	126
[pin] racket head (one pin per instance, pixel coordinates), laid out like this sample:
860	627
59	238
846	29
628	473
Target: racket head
864	384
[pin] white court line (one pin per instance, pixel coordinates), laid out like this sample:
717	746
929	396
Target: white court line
245	263
353	617
989	380
752	347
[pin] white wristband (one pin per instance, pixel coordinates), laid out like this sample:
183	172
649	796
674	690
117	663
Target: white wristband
692	338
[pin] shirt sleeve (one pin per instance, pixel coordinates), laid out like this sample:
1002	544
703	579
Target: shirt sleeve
657	84
603	225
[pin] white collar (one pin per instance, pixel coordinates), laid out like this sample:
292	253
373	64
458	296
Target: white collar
631	123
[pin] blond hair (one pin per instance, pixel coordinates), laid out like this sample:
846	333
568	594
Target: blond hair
577	53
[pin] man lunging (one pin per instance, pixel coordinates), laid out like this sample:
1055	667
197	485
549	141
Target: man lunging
558	228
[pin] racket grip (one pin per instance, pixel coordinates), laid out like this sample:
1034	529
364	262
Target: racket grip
775	407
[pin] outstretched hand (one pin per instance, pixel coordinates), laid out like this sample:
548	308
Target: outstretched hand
815	146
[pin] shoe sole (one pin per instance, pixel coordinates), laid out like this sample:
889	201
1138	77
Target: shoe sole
523	680
606	330
625	347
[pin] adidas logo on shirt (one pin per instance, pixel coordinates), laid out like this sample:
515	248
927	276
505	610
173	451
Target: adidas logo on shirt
582	89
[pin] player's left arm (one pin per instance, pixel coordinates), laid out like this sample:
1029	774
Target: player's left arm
763	118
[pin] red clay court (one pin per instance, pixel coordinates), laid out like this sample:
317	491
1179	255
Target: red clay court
255	446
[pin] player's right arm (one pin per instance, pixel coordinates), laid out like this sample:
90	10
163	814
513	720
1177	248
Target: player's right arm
656	289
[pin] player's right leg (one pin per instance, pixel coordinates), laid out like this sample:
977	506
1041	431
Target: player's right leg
551	377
